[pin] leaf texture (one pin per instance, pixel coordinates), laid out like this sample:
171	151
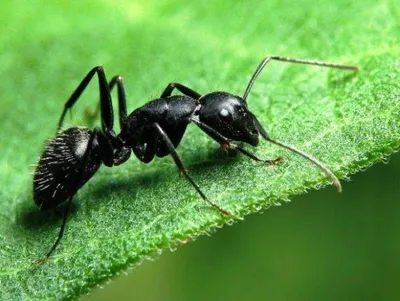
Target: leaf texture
128	213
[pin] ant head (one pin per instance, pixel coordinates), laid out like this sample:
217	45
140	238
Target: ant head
228	114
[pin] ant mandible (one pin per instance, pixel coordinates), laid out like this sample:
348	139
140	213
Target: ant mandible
155	129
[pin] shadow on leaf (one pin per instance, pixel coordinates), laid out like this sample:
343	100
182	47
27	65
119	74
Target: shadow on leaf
33	219
30	217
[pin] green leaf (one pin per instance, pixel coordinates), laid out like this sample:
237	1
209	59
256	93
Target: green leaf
125	214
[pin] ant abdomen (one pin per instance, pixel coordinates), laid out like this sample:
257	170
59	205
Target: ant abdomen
59	167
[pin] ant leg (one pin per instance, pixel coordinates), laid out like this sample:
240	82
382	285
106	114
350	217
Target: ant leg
77	181
107	116
182	169
227	144
60	235
116	80
183	89
250	155
291	60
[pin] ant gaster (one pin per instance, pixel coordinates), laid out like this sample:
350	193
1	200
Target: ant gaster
155	129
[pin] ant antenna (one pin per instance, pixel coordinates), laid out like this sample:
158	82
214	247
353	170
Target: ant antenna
291	60
319	164
310	158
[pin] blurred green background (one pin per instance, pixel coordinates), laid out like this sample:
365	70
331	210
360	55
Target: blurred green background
322	246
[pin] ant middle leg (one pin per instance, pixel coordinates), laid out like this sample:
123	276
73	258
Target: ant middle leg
182	169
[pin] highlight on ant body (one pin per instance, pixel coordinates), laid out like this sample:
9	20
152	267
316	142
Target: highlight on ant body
155	129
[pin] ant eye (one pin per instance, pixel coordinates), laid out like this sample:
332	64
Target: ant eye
254	132
225	114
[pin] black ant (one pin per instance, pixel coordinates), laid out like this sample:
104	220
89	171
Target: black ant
155	129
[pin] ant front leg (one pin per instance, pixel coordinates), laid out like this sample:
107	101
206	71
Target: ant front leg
276	161
183	89
182	169
227	144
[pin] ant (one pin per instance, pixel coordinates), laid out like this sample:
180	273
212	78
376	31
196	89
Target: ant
155	129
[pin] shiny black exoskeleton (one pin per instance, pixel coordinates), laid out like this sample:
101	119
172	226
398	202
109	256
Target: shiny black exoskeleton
155	129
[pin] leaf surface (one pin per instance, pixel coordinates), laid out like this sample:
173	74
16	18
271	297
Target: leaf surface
127	213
